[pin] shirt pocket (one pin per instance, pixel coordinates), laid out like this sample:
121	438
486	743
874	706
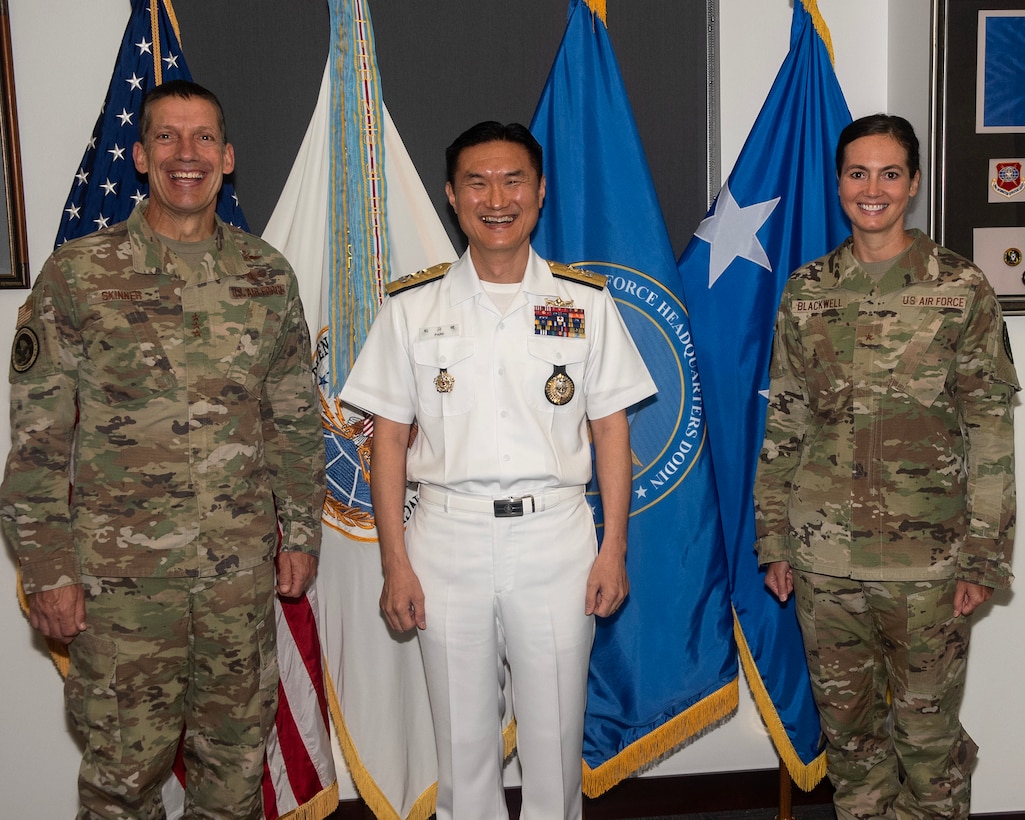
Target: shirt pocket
925	362
450	356
255	329
829	387
125	359
546	355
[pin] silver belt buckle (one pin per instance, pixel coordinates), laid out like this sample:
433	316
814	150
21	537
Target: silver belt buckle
509	507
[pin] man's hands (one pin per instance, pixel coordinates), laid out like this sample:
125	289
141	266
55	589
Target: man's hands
296	571
968	596
58	613
402	599
607	583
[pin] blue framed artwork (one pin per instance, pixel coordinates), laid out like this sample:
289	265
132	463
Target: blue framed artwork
1000	101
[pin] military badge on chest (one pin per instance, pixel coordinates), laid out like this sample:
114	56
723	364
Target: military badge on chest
444	381
558	317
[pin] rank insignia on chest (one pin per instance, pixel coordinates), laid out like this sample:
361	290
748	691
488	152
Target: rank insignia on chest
559	320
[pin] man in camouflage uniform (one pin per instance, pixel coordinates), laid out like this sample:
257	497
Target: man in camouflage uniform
161	369
885	491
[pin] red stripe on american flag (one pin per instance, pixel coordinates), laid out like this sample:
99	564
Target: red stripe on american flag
270	799
302	624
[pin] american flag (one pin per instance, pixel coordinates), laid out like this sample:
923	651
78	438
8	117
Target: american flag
106	186
299	770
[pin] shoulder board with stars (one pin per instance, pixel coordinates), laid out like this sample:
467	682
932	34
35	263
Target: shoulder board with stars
584	277
414	280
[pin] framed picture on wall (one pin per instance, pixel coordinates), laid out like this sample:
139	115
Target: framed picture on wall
978	171
1000	72
14	270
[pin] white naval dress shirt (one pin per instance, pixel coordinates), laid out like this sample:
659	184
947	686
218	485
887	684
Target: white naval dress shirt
495	432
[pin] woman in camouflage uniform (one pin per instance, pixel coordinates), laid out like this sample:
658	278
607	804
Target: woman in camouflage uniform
885	489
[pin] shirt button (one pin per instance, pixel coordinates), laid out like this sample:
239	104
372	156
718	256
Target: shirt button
507	457
501	371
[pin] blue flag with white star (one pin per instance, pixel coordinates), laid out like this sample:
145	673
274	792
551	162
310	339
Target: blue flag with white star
107	187
664	668
778	209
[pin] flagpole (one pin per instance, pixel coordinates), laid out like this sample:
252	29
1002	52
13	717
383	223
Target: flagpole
786	782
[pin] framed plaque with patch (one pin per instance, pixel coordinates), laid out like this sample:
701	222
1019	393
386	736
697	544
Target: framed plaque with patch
978	159
14	272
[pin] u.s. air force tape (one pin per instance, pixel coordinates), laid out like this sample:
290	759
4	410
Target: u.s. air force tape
25	351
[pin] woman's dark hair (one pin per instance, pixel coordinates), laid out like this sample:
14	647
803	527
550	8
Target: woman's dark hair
491	131
880	124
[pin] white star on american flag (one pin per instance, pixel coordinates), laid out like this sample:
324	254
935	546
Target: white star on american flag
117	152
82	176
144	47
72	211
171	60
135	82
109	188
102	222
125	117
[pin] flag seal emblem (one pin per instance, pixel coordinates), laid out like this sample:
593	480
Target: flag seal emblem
667	432
1008	181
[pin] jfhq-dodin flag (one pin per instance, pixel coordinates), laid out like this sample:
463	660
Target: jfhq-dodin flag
665	666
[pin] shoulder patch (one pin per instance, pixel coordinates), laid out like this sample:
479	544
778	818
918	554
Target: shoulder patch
25	350
27	312
414	280
584	277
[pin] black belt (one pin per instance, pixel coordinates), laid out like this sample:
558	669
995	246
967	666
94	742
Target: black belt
508	507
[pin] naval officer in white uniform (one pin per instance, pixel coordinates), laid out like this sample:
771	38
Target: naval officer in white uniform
489	380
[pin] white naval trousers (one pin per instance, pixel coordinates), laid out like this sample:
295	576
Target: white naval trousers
506	590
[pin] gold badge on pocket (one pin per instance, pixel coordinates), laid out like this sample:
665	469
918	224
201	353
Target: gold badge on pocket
444	381
559	388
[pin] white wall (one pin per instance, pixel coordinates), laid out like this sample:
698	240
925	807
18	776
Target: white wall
64	52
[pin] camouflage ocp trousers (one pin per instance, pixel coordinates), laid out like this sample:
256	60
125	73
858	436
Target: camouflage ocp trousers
887	663
165	655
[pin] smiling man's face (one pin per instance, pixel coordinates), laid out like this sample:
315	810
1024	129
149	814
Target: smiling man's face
186	158
497	196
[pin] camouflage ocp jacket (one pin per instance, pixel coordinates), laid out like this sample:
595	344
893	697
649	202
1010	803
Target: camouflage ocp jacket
889	451
179	404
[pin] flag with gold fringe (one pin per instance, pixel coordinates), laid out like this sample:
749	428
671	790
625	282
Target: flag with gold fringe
777	210
354	214
299	777
664	668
